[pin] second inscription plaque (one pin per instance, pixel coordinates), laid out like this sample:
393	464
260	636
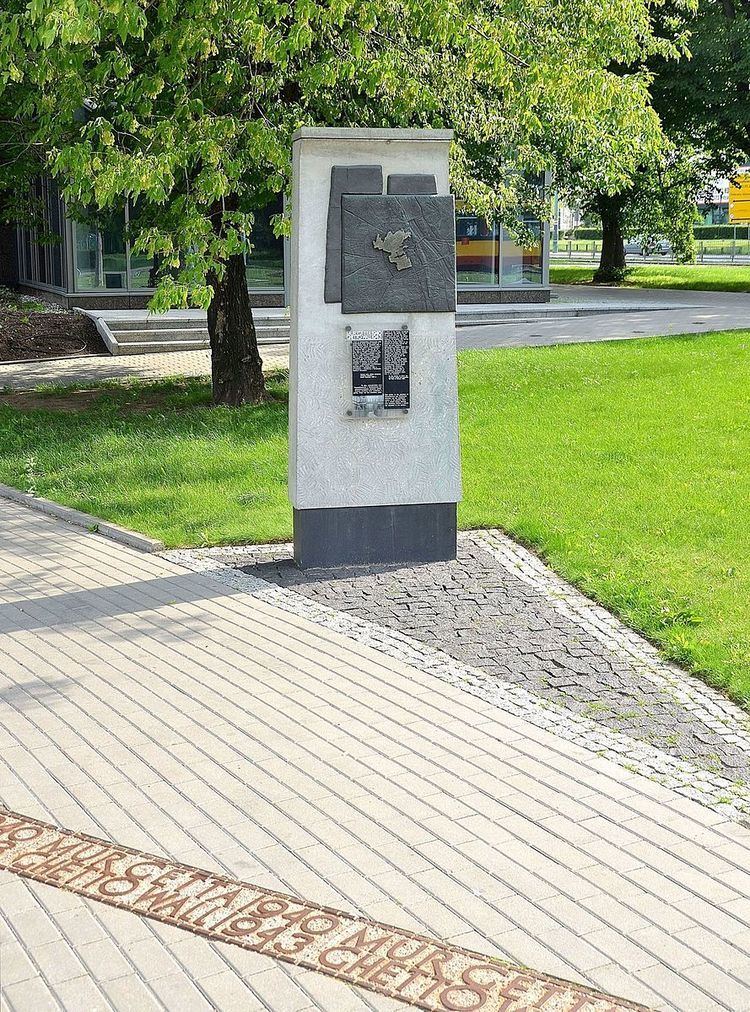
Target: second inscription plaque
396	392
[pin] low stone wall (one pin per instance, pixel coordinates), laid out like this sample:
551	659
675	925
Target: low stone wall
487	296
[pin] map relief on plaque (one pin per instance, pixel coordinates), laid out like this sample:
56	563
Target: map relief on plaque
389	252
393	245
398	253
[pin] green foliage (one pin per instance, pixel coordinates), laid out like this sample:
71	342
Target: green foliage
586	233
188	109
703	101
721	232
700	232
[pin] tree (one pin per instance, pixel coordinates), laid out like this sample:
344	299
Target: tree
188	108
705	99
703	102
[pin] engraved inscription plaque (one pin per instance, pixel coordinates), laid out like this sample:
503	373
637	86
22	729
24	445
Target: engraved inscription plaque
367	364
420	970
396	392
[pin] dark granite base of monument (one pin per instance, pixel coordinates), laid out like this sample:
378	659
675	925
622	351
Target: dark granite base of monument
374	535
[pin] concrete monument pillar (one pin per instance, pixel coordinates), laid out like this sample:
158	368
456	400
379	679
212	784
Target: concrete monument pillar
374	471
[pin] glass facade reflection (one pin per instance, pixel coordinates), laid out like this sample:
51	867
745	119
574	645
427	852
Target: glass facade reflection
264	266
477	251
96	257
522	264
41	249
490	255
100	255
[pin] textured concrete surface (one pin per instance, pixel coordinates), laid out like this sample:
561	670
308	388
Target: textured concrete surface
329	451
344	179
168	711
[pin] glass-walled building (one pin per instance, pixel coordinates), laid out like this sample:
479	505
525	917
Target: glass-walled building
487	256
94	266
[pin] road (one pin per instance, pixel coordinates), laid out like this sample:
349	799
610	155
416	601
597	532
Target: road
584	259
691	313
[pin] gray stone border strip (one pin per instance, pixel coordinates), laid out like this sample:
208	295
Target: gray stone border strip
685	778
57	358
716	711
92	524
109	339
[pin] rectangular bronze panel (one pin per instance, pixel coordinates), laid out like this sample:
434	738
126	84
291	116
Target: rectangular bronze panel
398	254
344	179
412	182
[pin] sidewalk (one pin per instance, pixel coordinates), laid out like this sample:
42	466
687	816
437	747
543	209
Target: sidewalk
166	711
97	368
651	313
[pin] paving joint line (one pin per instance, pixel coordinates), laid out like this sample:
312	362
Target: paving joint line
638	813
234	804
607	956
517	813
681	775
156	842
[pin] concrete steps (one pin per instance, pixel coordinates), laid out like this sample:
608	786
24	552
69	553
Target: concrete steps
136	332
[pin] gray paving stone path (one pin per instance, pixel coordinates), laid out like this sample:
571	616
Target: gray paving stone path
484	612
689	313
659	312
97	368
223	721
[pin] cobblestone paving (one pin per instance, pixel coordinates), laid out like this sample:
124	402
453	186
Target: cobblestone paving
499	611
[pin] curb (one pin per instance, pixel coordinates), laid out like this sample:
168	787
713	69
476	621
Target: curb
92	524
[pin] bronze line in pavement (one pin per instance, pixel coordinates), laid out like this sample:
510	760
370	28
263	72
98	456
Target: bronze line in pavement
412	968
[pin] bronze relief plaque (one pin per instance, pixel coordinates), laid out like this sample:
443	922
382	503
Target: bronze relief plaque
398	254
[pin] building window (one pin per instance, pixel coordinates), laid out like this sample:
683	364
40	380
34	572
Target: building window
264	266
489	256
522	265
141	268
100	256
477	251
40	248
105	262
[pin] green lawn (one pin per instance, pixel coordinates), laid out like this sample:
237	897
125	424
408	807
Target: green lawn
691	277
626	464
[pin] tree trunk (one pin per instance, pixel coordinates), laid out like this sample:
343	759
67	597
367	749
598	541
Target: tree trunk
612	262
236	366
